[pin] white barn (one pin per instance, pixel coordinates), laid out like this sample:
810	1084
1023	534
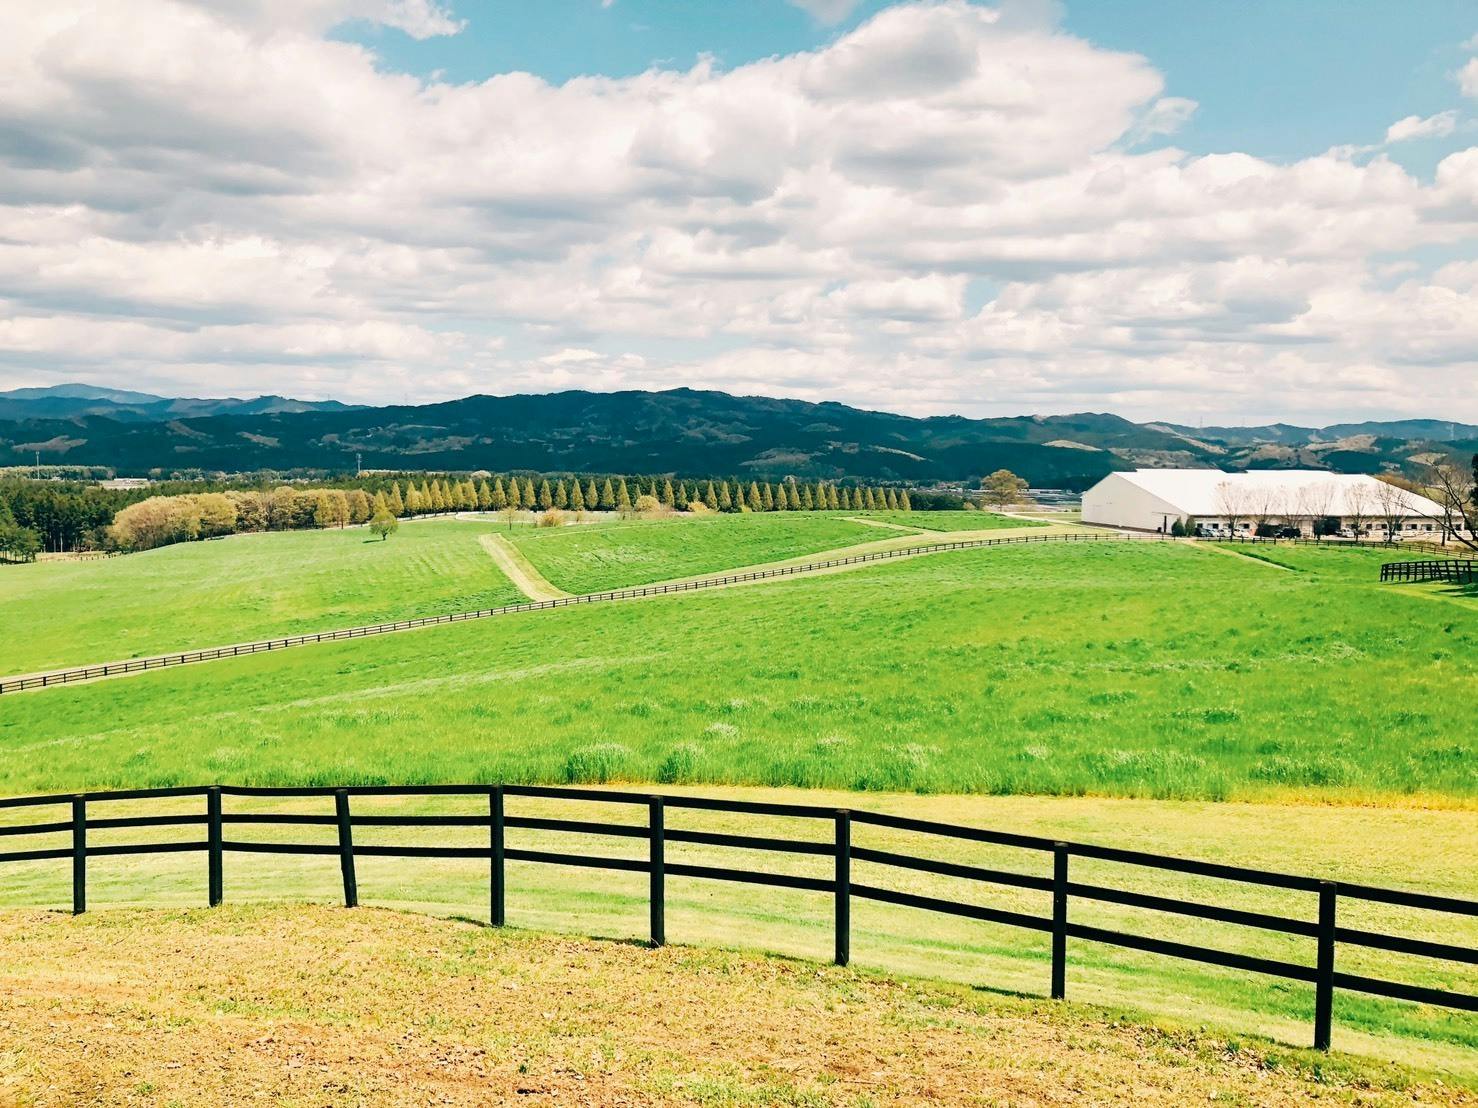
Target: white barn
1220	503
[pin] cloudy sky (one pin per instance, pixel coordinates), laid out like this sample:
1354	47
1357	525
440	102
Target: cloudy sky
1164	208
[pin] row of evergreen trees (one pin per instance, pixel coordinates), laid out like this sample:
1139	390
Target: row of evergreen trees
616	495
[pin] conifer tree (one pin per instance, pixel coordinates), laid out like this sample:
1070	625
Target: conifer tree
359	507
667	494
438	496
515	494
426	497
845	497
607	496
484	495
808	502
393	501
780	500
591	499
831	498
412	499
530	497
753	500
725	501
867	501
467	500
892	500
623	497
380	504
904	503
767	498
577	498
561	495
500	495
710	497
546	496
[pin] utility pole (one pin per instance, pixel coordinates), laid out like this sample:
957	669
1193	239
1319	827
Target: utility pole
358	471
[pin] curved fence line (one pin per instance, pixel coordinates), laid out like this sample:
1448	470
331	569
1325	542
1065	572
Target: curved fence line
210	654
1324	929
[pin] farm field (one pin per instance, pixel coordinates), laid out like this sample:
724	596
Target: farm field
308	1005
240	588
1156	670
1417	849
639	552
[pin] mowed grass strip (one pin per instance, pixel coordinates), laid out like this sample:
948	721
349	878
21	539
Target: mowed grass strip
1155	670
323	1006
595	557
238	589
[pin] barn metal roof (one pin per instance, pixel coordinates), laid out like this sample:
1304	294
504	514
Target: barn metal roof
1204	492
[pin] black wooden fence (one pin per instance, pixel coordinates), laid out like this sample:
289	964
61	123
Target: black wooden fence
1462	571
210	654
1324	931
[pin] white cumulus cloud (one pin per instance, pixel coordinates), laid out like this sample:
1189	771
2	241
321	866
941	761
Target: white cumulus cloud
953	207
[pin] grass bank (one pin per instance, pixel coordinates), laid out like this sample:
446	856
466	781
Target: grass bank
324	1006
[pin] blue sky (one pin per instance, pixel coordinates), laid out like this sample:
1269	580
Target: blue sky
1236	212
1282	79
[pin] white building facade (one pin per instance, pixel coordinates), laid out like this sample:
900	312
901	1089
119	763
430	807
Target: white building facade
1262	501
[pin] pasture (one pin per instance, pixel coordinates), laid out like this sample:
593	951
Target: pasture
239	588
591	558
946	521
1156	670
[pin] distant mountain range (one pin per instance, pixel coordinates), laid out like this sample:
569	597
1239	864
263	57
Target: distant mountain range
678	431
65	401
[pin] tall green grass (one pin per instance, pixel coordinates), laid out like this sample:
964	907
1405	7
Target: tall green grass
1144	670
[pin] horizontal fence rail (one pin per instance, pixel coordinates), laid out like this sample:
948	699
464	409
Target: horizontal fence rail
210	654
79	816
1462	571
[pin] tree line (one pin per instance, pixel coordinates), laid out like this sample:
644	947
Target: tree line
161	520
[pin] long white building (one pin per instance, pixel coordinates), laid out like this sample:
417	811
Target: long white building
1218	503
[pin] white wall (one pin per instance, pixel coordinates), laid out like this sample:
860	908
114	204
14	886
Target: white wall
1115	502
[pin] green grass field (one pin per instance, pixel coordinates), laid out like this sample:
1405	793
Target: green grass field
240	588
946	521
1158	670
593	557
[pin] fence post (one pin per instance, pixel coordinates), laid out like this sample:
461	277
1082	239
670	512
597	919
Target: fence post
1059	921
213	845
346	849
1324	968
657	859
79	855
495	844
844	888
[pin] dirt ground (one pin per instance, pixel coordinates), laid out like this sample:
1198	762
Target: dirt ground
303	1005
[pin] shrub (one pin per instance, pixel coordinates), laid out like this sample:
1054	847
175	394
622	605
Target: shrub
551	518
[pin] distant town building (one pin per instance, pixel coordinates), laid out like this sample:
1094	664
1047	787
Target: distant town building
1221	504
126	483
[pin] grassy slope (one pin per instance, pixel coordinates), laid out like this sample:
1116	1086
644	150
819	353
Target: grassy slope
245	587
1142	670
946	521
318	1006
609	556
1410	848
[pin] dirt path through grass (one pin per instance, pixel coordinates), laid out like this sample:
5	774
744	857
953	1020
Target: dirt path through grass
890	526
519	569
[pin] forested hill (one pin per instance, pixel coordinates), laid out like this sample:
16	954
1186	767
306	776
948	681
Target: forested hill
680	430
